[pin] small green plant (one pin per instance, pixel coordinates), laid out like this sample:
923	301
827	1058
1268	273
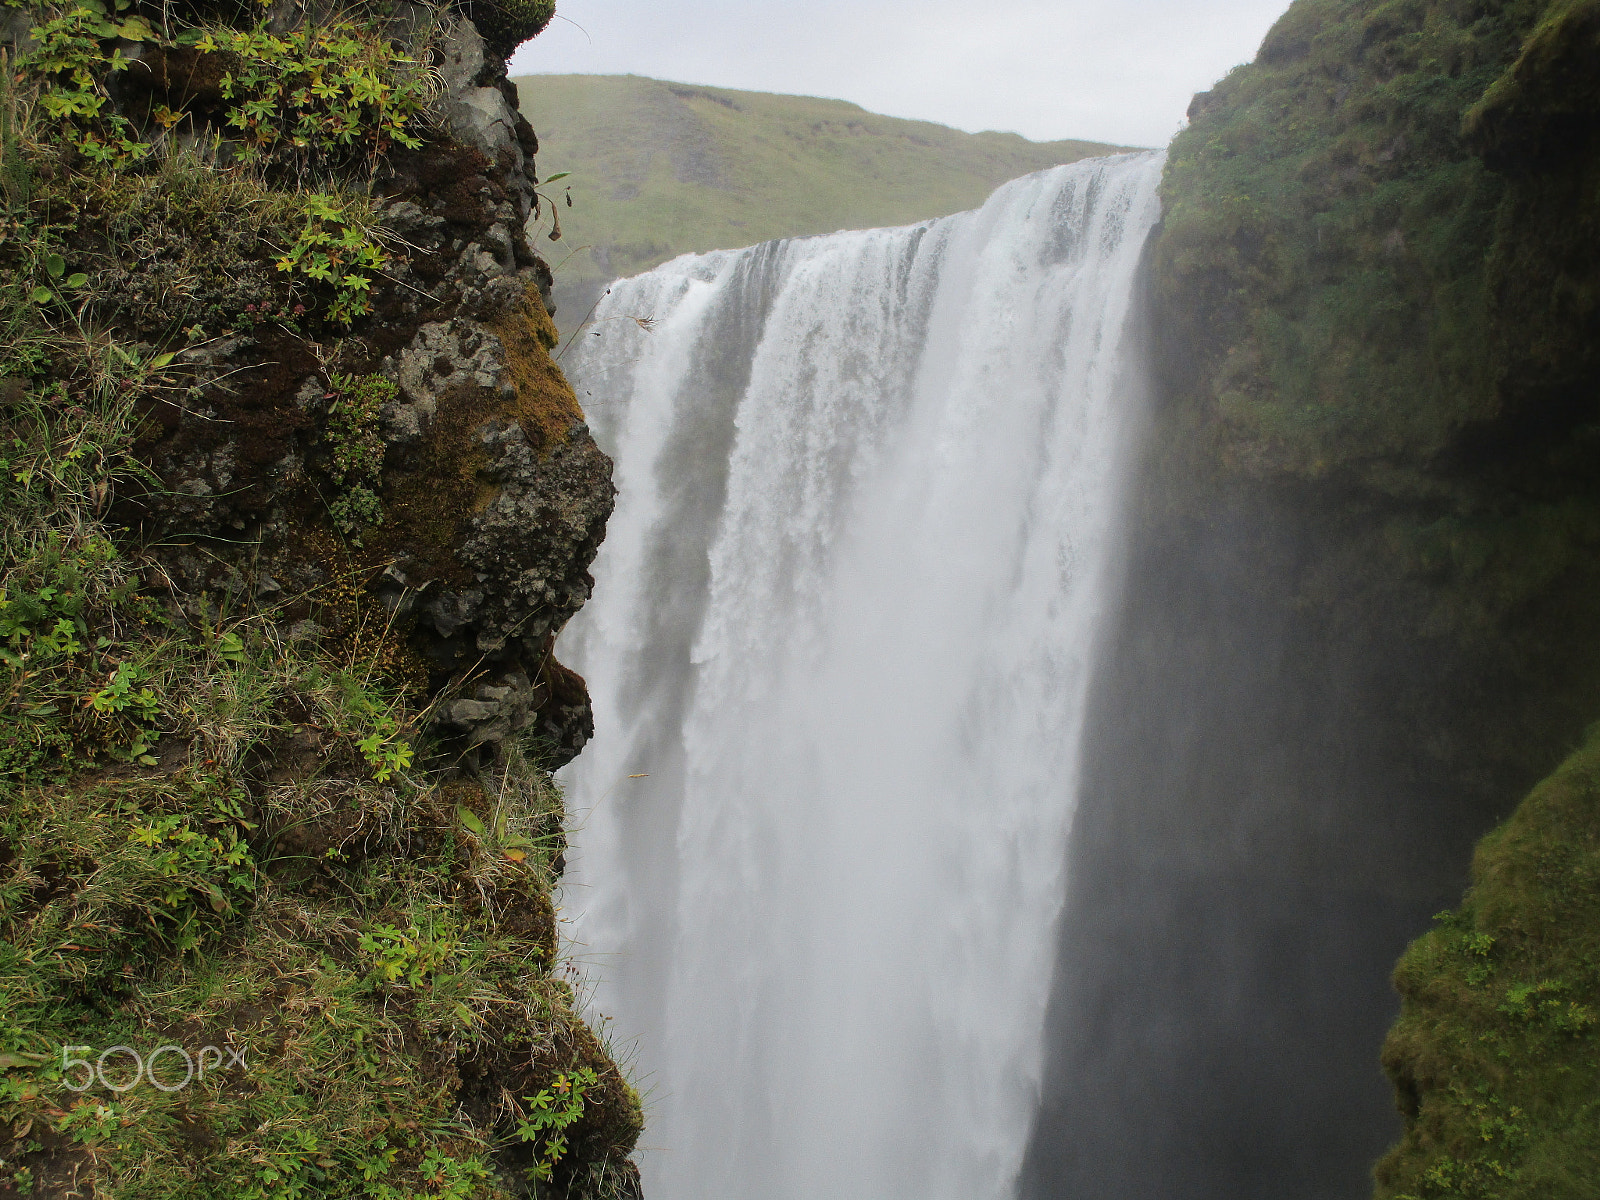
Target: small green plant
214	867
70	54
356	509
289	1168
406	956
454	1179
55	267
119	694
355	438
353	426
336	249
551	1112
386	752
1545	1003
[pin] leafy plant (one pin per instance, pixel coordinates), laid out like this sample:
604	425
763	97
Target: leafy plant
385	751
409	956
55	267
339	87
1547	1002
119	695
212	866
551	1112
355	438
70	53
336	249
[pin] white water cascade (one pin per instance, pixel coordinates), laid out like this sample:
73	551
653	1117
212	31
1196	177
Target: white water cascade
842	625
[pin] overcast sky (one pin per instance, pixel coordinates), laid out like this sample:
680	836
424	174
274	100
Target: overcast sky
1108	70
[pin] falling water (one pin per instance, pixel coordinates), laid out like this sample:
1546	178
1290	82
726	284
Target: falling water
838	651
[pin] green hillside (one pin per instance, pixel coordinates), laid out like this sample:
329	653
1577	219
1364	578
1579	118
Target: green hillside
659	169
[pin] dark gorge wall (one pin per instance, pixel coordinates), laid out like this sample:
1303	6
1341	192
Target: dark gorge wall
1360	613
1261	831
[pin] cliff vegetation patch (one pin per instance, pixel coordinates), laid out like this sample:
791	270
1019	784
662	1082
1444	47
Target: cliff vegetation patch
271	929
1494	1056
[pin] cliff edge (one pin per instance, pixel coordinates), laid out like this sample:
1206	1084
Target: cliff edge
294	504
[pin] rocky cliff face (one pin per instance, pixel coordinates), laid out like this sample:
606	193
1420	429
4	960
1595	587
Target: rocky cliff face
491	495
299	501
1361	614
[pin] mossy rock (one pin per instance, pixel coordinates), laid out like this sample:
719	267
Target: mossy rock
506	24
1494	1058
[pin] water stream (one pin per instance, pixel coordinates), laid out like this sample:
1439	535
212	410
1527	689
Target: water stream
839	650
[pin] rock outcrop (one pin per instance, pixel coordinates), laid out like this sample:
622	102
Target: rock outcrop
493	495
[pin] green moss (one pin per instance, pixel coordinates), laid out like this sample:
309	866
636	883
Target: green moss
356	448
1494	1057
506	24
1553	76
546	404
1326	204
1376	310
1378	284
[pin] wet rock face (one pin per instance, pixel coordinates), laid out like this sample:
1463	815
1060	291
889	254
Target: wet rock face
494	495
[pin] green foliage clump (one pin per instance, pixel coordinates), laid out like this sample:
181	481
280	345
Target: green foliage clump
506	24
314	108
551	1112
1494	1059
337	90
333	88
71	55
337	247
355	438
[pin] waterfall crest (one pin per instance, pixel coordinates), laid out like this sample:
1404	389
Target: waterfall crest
842	623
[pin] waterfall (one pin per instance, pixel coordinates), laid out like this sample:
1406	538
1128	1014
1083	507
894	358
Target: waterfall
838	652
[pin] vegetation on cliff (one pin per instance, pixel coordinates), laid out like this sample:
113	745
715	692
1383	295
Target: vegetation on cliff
1378	289
292	503
1494	1058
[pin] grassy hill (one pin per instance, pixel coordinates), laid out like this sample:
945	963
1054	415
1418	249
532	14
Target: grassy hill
660	169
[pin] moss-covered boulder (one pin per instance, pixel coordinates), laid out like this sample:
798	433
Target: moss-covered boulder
506	24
